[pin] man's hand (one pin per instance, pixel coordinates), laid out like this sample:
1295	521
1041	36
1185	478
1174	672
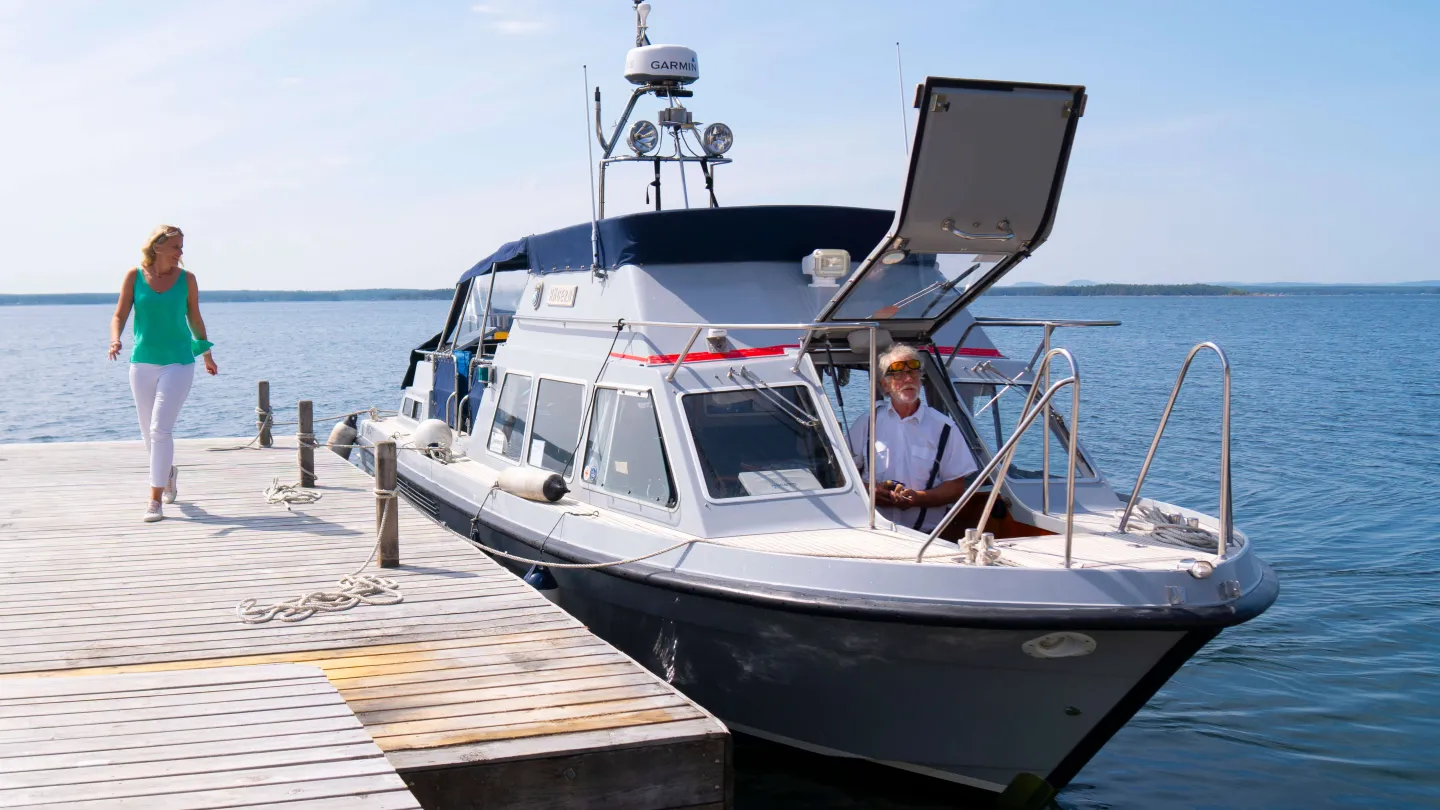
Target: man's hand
885	493
906	498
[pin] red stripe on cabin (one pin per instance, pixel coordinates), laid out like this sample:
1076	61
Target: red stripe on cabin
700	357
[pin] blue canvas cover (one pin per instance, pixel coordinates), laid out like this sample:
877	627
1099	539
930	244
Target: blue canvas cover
697	236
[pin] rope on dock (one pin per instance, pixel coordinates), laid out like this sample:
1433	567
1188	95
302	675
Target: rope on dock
355	588
267	421
290	494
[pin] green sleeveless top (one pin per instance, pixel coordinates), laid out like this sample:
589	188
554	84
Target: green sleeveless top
162	335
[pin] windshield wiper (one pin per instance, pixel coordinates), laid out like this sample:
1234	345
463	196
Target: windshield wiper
782	404
943	286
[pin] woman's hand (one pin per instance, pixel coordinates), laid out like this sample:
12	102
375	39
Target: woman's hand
115	348
210	364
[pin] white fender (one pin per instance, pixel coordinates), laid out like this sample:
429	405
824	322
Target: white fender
432	434
532	483
341	437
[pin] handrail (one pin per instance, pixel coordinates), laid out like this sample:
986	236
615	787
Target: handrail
1050	324
1226	521
1003	456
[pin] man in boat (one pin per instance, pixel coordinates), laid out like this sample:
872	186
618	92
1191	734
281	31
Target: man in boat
921	459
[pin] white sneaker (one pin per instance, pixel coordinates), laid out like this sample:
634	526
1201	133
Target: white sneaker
172	486
154	513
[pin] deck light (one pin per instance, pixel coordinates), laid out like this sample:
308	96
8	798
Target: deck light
1201	569
825	266
644	137
718	139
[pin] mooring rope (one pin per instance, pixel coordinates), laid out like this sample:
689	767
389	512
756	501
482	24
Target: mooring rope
1178	531
355	588
266	420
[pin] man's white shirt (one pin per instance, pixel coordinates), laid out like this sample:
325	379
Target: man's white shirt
905	452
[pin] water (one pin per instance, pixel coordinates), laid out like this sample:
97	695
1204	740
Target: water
1331	699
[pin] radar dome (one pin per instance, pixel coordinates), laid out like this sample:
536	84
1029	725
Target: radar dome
661	64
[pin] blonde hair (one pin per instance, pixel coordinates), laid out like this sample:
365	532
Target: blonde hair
160	234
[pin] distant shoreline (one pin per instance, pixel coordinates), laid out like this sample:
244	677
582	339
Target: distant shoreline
1036	290
240	296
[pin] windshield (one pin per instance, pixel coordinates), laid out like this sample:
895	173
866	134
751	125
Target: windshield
918	287
761	441
996	410
509	285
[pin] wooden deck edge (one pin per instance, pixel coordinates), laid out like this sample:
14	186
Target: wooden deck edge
566	744
655	775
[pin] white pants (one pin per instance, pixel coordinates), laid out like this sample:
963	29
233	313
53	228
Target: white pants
159	392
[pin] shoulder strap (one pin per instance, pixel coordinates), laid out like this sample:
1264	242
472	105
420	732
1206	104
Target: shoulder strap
934	471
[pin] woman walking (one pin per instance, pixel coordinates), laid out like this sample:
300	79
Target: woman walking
169	334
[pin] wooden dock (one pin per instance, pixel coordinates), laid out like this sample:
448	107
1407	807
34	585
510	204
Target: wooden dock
478	690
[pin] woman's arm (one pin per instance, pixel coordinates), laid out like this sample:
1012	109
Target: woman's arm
122	312
197	323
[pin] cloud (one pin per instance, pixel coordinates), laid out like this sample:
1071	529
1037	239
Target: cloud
519	26
513	19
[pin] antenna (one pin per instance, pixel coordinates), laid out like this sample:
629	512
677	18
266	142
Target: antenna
904	117
590	153
642	12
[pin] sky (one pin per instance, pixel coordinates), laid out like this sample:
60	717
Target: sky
326	144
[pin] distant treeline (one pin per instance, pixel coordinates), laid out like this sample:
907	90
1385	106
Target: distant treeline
1343	289
244	296
1119	289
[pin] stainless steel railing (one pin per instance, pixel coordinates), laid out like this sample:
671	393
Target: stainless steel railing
1042	376
1227	527
1003	456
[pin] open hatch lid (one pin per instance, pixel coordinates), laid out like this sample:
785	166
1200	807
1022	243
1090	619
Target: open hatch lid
987	163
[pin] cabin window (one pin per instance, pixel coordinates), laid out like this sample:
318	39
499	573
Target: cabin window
624	453
507	432
761	442
558	407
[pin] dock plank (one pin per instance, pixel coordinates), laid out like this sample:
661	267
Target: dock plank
160	772
474	669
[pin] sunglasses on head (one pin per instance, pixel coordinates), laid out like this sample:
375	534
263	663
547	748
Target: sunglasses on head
913	364
162	237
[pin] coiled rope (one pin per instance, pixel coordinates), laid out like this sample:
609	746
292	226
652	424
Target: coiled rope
1177	530
355	588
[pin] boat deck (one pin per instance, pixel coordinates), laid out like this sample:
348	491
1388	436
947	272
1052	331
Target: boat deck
473	673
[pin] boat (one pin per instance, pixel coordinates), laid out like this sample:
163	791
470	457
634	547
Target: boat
649	416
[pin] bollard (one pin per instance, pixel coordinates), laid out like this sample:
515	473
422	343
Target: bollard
263	416
305	437
387	521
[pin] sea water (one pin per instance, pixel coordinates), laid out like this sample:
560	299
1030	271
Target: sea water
1330	699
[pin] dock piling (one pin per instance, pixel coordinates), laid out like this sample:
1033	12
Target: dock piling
263	415
305	438
387	521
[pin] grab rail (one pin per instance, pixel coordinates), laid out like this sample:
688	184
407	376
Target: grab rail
1226	527
1005	454
1050	326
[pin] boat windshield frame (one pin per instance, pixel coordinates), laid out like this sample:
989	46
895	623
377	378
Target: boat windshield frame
838	450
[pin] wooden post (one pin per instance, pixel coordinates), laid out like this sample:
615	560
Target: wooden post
387	522
306	436
263	415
